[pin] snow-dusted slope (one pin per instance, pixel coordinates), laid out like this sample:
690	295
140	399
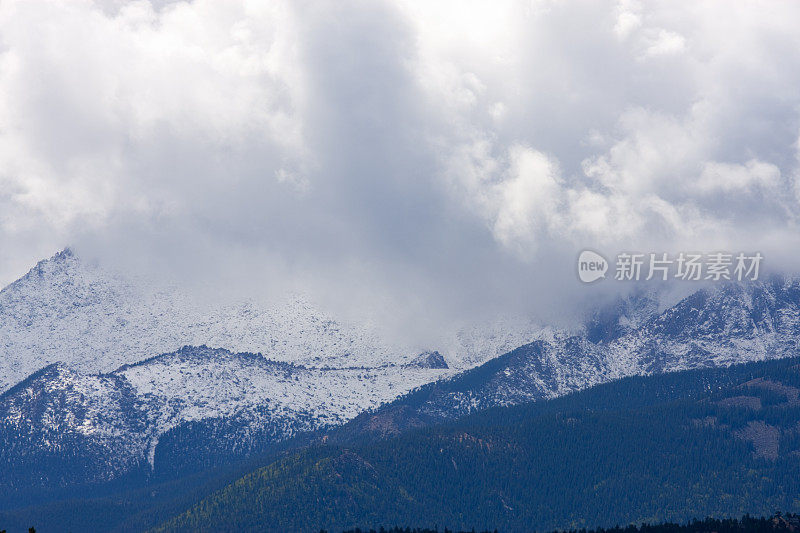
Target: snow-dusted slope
119	417
63	427
716	326
66	310
201	382
643	333
115	407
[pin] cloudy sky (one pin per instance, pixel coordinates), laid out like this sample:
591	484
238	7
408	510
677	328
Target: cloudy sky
443	154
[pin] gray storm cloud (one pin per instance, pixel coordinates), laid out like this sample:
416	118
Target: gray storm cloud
436	157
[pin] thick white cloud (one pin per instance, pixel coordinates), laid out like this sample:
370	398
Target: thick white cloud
463	151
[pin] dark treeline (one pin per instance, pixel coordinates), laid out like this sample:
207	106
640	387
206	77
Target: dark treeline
410	530
747	524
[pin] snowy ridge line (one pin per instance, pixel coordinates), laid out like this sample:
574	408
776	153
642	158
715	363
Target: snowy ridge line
187	349
65	309
130	409
239	398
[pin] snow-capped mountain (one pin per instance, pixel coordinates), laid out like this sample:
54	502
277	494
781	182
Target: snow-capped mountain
197	383
59	428
67	310
716	326
95	320
118	418
108	379
719	325
99	403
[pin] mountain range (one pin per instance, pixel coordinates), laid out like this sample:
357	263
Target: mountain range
667	447
108	381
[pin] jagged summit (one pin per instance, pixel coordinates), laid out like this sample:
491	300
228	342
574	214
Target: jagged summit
96	320
429	360
64	254
65	309
92	346
207	355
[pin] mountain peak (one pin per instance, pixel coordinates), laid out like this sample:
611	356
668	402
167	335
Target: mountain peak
428	359
66	253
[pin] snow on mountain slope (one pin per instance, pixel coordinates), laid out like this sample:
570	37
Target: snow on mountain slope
60	424
109	396
201	382
66	310
716	326
124	413
543	369
474	344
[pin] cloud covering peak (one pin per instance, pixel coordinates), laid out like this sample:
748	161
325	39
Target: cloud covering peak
442	155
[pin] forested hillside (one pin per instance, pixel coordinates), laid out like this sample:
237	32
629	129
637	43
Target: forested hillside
664	448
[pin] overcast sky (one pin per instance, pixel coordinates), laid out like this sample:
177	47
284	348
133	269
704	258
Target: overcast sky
448	155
